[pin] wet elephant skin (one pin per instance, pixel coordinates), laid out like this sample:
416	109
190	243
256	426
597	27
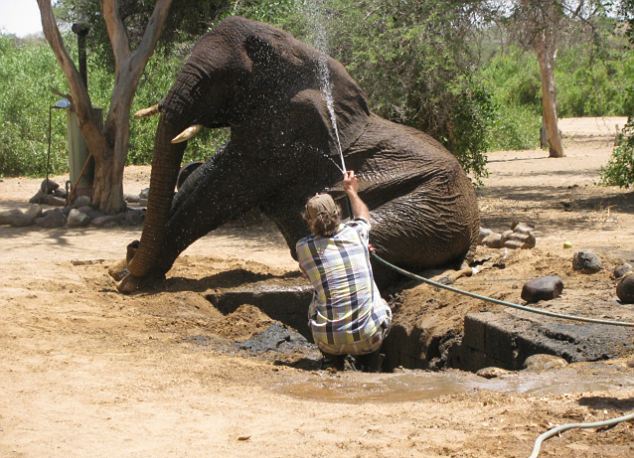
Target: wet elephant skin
263	84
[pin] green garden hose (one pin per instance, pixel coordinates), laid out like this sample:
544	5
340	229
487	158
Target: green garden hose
500	302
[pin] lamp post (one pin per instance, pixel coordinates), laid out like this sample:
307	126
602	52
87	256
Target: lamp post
61	104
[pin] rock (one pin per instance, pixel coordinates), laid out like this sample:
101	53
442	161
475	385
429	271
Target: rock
90	211
108	220
493	240
48	186
506	235
81	201
19	218
542	289
522	228
134	217
492	372
77	218
60	192
484	232
131	198
7	216
625	289
47	199
621	270
513	244
52	218
527	240
53	201
37	198
144	194
543	362
586	262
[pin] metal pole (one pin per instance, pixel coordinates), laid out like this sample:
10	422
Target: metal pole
48	154
82	30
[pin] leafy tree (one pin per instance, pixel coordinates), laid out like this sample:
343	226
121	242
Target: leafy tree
133	29
415	60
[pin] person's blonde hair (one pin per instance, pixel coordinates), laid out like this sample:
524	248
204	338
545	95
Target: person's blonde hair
322	221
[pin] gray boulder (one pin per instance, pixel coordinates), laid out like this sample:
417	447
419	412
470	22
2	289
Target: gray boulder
77	218
7	216
586	262
144	194
134	217
51	219
108	220
484	232
19	218
81	201
522	228
48	186
493	240
542	289
621	270
625	289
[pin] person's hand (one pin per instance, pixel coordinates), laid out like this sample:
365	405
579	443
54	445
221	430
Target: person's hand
350	182
371	248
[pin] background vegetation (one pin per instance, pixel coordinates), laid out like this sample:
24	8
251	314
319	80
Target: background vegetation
470	84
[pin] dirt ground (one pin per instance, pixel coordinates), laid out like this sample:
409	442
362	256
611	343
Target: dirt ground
86	371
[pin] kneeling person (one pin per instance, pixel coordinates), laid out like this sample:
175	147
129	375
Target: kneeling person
347	315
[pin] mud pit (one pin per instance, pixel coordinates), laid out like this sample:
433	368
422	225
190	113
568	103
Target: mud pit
86	371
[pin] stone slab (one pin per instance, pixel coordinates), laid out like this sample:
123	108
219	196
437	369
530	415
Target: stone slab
505	339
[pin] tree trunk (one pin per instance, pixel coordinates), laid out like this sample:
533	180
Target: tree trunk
546	57
107	191
108	145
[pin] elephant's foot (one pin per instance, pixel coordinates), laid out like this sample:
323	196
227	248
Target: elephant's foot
129	284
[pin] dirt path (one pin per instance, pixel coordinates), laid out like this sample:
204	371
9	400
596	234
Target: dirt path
85	371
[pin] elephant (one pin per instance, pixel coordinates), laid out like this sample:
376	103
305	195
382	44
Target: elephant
265	86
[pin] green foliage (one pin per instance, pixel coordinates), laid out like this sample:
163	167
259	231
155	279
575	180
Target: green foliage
419	63
412	60
27	69
620	169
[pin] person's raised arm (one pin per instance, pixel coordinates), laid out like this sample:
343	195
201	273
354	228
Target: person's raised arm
351	187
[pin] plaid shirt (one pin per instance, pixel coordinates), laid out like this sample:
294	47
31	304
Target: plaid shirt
347	306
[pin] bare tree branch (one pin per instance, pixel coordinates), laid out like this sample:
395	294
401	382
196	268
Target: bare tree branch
152	33
81	99
116	31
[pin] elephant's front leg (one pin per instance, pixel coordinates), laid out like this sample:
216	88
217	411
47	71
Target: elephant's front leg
223	188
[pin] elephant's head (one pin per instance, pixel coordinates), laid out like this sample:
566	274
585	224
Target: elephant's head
258	81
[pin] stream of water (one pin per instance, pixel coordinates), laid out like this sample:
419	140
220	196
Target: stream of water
315	13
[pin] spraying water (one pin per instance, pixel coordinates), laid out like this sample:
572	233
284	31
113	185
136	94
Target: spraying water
314	11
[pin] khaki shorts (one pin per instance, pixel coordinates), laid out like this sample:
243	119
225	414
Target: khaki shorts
363	347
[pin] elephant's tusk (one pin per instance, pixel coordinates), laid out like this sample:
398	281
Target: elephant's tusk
187	134
146	112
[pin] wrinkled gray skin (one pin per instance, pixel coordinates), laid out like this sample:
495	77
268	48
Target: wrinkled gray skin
264	85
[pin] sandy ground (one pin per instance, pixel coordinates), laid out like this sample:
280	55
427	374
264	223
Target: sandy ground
85	371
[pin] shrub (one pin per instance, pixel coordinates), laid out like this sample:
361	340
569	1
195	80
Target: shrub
620	169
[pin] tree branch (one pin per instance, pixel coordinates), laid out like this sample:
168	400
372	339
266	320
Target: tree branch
80	97
152	33
116	31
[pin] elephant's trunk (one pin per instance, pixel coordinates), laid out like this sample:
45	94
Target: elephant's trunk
165	166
